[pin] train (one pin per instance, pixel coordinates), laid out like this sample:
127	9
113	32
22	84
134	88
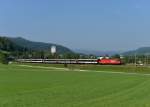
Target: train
110	61
59	61
101	61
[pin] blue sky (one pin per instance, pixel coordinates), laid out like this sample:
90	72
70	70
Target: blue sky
79	24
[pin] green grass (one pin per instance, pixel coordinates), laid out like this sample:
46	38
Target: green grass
97	67
35	87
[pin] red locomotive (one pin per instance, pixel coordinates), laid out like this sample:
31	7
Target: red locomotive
109	61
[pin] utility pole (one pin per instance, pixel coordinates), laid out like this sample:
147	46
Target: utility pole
135	59
145	60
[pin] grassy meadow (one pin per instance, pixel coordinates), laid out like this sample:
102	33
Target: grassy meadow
22	86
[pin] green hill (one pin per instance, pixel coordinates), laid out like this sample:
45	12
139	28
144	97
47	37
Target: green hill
139	51
7	45
39	46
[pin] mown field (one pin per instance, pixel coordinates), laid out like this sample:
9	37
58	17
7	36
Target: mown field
48	87
97	67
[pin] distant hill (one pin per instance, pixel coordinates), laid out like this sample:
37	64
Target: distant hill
7	45
97	53
38	46
139	51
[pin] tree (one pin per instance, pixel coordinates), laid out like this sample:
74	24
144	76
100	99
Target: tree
3	58
116	56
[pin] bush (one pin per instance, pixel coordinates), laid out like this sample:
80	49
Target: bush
3	58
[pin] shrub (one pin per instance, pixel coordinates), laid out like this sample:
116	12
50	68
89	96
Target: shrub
3	58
